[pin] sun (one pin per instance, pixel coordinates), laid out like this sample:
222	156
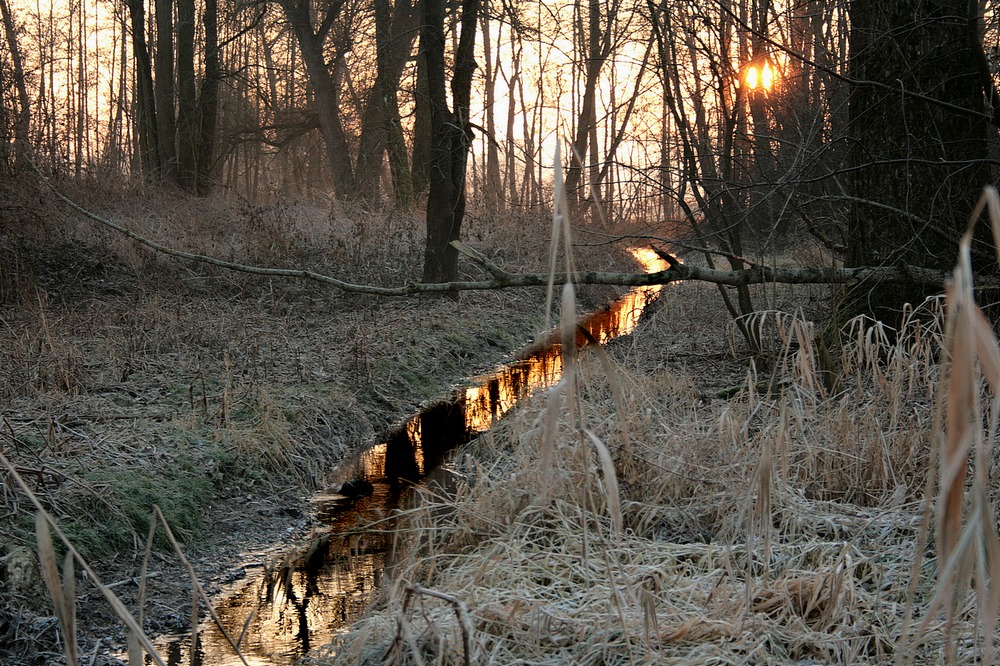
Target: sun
759	77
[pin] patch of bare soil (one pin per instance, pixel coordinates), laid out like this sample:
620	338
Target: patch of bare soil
128	380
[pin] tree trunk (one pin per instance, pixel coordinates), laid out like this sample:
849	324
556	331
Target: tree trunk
299	18
761	213
586	125
925	162
187	98
164	89
22	124
420	162
381	126
451	136
494	185
208	102
145	105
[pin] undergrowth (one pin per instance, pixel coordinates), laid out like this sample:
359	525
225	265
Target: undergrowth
624	517
129	380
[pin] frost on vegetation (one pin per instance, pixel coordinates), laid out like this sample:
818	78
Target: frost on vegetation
779	526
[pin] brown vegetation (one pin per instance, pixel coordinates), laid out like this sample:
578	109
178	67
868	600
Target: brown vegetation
655	506
129	379
626	517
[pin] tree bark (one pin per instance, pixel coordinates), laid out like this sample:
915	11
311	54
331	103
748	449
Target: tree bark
921	158
164	89
451	136
148	138
420	162
208	102
187	98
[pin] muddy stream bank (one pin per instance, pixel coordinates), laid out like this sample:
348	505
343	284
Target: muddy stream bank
279	615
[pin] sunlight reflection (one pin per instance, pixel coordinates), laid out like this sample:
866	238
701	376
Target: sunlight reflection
493	395
304	605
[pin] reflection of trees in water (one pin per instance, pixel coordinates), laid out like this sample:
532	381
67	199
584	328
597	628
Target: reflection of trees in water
305	605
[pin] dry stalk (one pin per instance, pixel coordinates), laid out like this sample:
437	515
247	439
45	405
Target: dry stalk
967	541
197	591
71	553
62	592
461	612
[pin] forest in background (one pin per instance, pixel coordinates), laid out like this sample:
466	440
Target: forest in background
729	124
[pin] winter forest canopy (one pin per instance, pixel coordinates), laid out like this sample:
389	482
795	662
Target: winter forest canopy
727	121
629	83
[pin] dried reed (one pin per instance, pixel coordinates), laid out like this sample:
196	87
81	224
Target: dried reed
787	524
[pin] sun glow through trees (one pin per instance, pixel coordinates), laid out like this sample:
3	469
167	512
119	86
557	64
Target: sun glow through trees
762	78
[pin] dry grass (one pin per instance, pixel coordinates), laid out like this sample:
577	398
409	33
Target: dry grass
128	380
788	524
625	516
752	529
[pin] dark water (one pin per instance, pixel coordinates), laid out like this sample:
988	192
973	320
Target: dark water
303	605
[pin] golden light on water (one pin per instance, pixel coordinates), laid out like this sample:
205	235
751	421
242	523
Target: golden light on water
650	261
306	605
760	77
493	395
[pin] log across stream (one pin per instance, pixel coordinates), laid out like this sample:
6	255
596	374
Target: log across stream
279	617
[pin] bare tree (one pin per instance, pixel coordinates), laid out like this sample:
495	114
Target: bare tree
146	126
22	122
451	135
599	46
187	97
164	88
493	186
325	89
381	126
208	102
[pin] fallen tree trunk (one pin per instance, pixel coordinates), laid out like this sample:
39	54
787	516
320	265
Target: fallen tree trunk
677	272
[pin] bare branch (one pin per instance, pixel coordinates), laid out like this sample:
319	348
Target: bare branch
481	259
829	243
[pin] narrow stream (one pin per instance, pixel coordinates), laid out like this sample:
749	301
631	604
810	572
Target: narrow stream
284	615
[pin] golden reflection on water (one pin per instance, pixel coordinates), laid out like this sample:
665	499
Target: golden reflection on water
494	395
306	605
297	608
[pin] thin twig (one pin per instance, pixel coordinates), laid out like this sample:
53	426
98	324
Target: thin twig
461	612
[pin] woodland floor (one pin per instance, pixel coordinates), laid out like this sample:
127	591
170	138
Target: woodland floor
128	379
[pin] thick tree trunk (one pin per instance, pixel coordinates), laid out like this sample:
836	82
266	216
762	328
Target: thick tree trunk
451	136
187	98
420	162
924	161
208	101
